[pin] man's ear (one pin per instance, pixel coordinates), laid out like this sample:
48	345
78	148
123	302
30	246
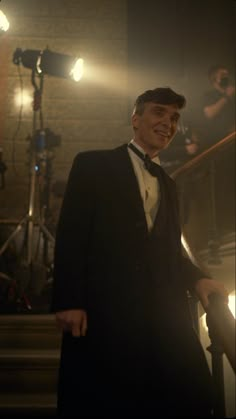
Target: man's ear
135	120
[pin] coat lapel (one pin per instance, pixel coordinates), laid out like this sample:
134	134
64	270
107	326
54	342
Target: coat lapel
127	183
125	179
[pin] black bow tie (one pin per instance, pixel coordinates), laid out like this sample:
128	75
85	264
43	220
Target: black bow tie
153	168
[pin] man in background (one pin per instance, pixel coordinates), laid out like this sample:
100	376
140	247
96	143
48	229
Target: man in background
218	106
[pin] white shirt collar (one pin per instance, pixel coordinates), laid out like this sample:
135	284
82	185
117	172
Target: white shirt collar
154	159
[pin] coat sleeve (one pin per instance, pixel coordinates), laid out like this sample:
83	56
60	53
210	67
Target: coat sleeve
73	237
190	272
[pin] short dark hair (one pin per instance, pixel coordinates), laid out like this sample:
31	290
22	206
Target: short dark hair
162	95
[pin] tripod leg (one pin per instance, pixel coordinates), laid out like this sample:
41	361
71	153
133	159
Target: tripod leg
46	232
29	241
47	236
12	235
31	210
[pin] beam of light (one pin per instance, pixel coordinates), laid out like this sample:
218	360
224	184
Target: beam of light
110	76
4	24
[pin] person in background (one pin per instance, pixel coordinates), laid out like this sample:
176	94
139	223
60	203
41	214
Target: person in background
185	147
218	106
121	282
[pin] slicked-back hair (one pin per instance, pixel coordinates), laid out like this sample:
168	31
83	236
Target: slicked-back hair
160	95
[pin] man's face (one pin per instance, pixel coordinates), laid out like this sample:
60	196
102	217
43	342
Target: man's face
220	74
156	127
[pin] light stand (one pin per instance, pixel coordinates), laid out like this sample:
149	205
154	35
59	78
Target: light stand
59	65
28	221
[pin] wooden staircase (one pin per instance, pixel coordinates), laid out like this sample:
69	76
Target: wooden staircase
29	361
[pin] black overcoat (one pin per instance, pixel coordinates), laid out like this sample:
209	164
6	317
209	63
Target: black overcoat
140	350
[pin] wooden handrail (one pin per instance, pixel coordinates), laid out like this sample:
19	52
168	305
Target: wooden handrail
221	322
191	164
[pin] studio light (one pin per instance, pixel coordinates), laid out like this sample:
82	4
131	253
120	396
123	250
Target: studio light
51	63
4	24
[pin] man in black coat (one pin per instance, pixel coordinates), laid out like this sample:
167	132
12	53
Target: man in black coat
120	285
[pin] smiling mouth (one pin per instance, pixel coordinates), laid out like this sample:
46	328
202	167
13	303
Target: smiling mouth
163	134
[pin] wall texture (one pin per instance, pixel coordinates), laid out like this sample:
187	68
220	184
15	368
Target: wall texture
86	115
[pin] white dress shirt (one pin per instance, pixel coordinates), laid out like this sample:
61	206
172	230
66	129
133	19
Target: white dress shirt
148	185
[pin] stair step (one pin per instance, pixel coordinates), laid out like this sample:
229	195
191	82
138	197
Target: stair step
36	400
28	358
38	404
29	354
29	331
27	371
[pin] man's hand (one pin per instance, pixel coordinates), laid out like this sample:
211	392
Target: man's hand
191	148
205	287
230	91
74	321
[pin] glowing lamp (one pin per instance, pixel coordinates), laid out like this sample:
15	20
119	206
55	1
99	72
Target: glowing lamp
51	63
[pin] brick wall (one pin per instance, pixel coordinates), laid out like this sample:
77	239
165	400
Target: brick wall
86	115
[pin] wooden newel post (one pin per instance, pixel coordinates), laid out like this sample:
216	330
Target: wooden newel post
217	353
215	317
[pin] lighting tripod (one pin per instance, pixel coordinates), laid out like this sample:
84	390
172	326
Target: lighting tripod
37	151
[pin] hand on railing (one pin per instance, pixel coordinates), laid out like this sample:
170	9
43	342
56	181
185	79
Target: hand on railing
206	287
221	326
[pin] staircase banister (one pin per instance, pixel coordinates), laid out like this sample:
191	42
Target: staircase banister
219	317
209	152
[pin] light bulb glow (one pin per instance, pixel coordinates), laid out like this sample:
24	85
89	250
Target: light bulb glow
23	98
4	24
231	303
77	71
